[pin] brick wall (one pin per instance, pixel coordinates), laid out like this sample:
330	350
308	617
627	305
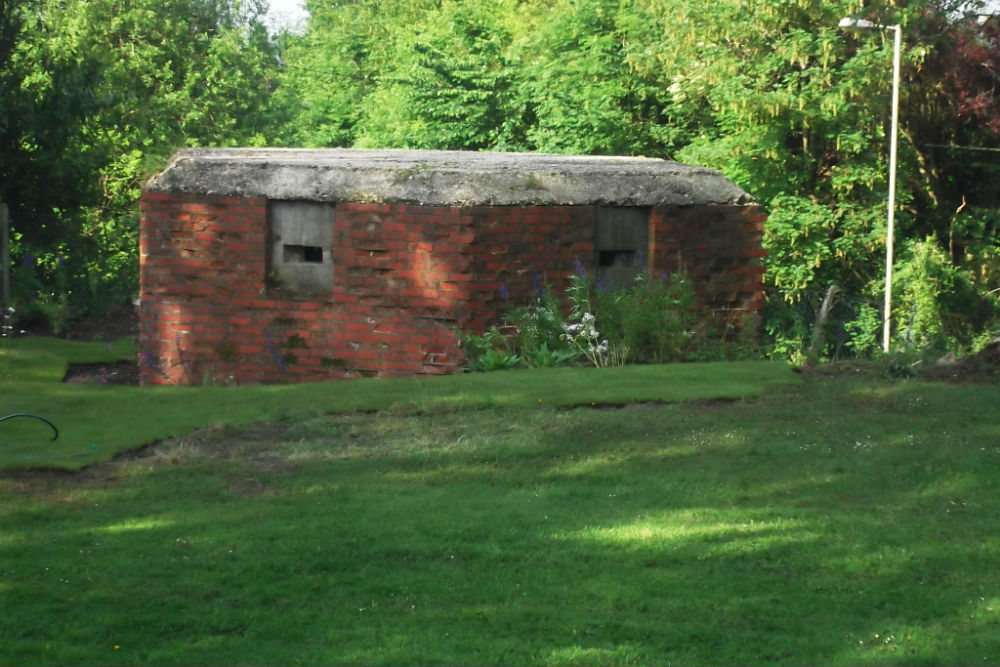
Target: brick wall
720	249
407	280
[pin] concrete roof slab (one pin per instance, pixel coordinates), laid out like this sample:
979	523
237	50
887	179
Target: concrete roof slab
443	178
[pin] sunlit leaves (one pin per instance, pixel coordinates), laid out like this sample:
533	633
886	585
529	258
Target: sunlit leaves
449	87
576	84
104	92
811	245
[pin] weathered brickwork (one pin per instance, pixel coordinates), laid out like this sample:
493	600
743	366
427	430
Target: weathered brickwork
407	280
720	249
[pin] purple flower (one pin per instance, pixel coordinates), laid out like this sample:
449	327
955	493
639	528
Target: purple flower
536	282
146	360
579	269
28	261
279	358
640	259
664	278
504	294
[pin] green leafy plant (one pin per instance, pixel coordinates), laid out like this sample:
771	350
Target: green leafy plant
530	336
86	87
55	308
544	357
936	306
865	331
586	340
657	318
650	321
491	351
538	327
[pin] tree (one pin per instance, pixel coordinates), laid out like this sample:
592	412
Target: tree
448	86
100	93
798	114
575	86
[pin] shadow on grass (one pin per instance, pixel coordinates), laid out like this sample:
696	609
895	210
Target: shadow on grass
98	422
837	523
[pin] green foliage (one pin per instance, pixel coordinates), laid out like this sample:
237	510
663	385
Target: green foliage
865	331
543	357
796	113
973	243
651	321
581	333
448	87
333	69
98	95
936	308
531	336
772	93
574	83
538	329
809	245
492	351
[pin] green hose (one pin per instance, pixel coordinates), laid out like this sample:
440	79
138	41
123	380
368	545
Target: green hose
55	436
55	431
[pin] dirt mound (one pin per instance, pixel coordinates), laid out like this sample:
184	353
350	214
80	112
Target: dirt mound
983	366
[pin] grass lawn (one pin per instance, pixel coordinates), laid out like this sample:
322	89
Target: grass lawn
837	520
96	422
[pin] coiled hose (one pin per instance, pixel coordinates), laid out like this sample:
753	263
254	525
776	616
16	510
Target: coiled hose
55	436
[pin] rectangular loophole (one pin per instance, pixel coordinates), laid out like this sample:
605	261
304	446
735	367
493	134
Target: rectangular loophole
300	247
619	258
302	254
621	241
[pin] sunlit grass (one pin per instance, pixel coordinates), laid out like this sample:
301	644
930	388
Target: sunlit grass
134	524
680	527
838	521
96	422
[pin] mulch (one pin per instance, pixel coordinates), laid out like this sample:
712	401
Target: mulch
119	372
117	323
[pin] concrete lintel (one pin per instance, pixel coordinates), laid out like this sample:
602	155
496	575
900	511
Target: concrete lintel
443	178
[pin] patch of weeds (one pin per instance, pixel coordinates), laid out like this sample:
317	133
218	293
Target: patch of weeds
652	320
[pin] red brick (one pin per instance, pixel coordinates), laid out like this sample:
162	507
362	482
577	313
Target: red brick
387	309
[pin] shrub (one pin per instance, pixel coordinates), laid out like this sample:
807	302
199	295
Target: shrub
936	306
650	321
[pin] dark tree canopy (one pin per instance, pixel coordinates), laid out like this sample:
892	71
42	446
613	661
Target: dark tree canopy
796	111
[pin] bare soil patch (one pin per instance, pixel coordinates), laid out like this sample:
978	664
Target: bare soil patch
981	367
119	372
